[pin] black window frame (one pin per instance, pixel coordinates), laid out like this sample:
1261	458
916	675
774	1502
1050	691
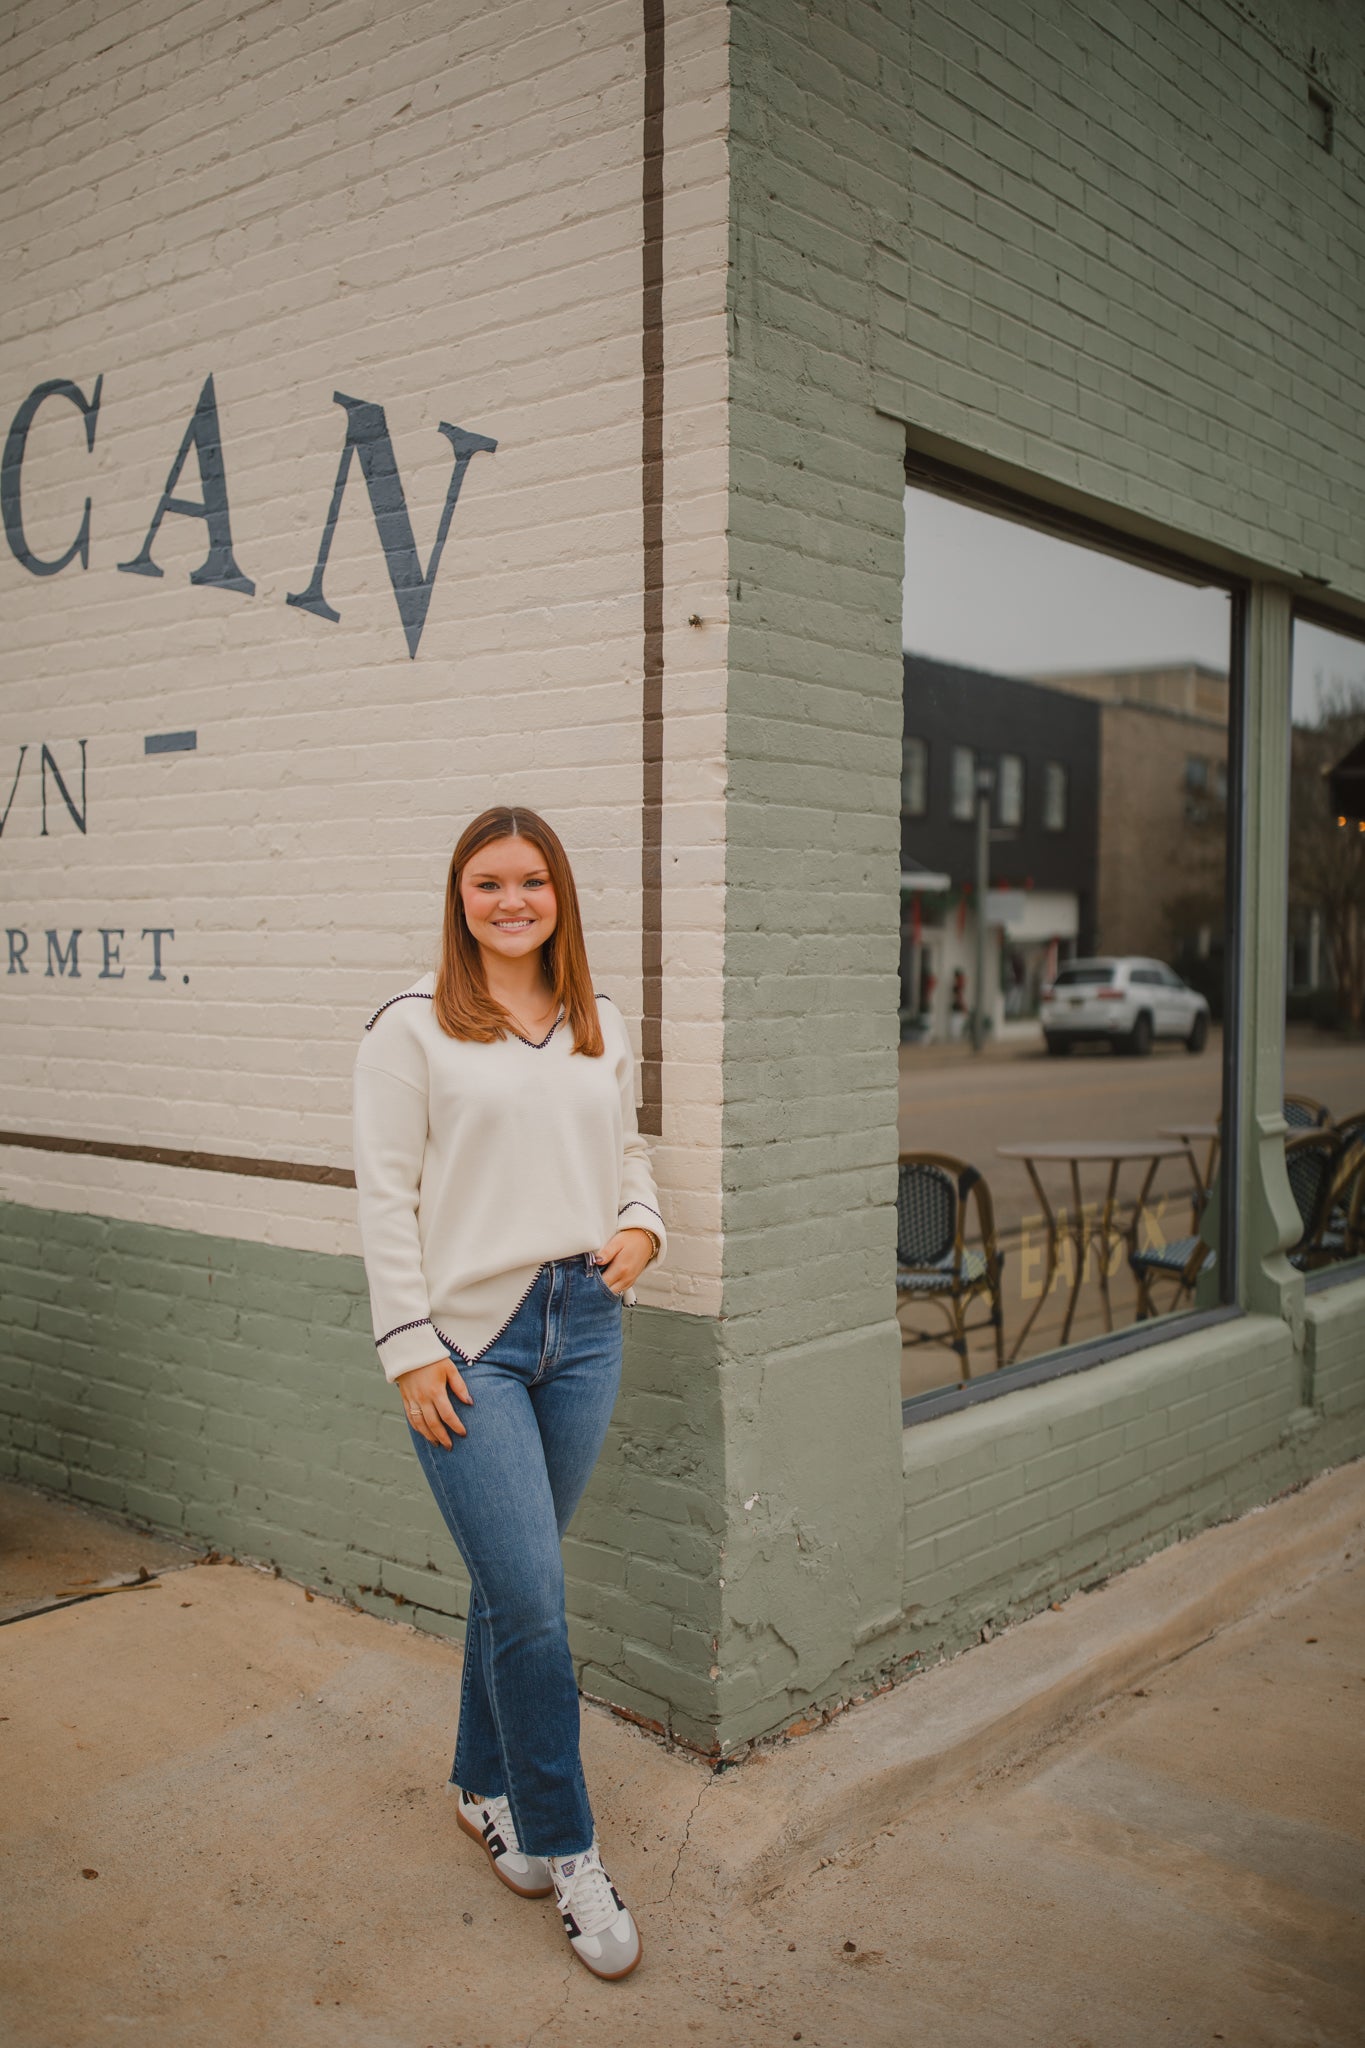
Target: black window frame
924	471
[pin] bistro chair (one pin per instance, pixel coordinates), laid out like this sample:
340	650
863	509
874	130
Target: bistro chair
1304	1113
1340	1233
1182	1260
933	1260
1350	1130
1353	1237
1323	1186
1312	1161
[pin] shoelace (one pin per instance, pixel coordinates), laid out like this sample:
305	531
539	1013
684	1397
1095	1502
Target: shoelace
587	1894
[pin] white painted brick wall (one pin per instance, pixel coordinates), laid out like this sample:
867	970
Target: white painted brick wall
436	208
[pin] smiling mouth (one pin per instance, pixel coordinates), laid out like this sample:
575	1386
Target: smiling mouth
513	924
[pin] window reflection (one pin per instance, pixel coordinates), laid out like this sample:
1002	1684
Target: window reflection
1325	953
1010	790
964	784
1073	710
914	776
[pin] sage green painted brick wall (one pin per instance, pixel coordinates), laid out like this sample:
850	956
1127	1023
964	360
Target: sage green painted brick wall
1134	271
229	1391
1046	1489
814	721
812	1478
1334	1352
985	226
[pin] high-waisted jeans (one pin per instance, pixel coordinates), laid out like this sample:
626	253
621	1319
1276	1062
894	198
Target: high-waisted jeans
543	1393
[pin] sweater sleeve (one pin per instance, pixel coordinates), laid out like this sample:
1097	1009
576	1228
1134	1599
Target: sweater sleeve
390	1140
639	1197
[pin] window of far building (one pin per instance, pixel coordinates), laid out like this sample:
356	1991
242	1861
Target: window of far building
914	777
1081	939
1010	790
964	784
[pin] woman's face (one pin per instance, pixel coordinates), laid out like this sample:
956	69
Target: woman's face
508	898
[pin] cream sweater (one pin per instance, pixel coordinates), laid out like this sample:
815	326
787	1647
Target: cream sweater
476	1164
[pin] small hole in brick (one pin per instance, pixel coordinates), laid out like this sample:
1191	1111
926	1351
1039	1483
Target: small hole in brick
1324	118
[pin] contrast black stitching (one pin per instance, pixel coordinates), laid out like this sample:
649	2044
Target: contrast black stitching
410	995
472	1358
539	1045
639	1205
420	1324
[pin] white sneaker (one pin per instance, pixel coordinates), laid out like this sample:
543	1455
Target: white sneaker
601	1932
489	1821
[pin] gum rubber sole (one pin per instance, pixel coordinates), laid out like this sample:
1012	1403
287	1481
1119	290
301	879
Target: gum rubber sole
614	1976
541	1891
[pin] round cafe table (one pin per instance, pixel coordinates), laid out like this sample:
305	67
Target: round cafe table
1079	1227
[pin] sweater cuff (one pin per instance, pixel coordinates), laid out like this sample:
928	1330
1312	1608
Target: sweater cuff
409	1345
640	1216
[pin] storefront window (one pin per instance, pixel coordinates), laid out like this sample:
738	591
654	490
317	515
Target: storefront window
1061	964
1324	1064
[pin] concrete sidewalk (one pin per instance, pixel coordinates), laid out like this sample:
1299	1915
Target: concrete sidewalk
1136	1819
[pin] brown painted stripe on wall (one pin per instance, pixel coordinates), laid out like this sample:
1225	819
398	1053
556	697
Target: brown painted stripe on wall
652	504
171	1155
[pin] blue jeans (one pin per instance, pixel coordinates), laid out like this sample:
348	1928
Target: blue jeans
543	1394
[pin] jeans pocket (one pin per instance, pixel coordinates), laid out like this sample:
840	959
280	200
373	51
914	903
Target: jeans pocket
603	1288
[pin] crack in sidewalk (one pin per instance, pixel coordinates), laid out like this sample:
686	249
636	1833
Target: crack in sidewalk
687	1835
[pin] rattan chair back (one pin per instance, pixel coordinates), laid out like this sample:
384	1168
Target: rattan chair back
1311	1160
926	1213
1350	1130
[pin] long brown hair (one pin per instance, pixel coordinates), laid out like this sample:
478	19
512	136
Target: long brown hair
463	1006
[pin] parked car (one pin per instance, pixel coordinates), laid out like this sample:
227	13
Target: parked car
1130	1002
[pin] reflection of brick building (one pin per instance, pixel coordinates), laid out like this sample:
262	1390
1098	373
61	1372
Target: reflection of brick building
1132	864
1163	785
1041	747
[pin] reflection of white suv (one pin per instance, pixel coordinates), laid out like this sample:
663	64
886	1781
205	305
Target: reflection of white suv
1131	1003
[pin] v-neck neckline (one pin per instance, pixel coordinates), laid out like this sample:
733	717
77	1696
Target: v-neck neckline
539	1044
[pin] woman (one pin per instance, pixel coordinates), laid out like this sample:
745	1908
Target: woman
506	1207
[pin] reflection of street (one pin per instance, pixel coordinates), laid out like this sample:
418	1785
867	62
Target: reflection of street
950	1102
